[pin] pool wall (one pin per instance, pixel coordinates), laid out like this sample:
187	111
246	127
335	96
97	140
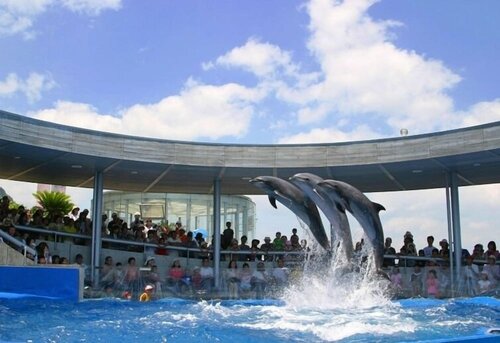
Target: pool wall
58	282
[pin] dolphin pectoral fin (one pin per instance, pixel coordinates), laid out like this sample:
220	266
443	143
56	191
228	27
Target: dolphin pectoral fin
340	208
378	207
272	200
345	204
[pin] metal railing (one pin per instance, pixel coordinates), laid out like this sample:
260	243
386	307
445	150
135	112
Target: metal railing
20	245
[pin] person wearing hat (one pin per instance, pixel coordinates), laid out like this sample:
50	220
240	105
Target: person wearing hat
137	223
445	248
148	293
267	246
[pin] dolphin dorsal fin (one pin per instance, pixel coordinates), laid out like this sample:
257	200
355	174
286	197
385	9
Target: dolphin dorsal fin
378	207
272	200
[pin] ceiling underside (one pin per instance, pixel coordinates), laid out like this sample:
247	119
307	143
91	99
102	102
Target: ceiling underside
37	163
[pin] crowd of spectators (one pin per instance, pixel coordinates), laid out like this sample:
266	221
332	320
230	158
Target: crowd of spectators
429	276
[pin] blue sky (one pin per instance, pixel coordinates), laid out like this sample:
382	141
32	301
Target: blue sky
255	71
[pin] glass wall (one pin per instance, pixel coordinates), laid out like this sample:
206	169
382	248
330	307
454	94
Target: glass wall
195	211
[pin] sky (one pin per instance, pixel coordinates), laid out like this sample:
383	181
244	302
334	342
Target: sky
271	72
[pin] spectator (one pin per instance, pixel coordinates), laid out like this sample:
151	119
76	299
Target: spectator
227	236
207	276
428	249
478	252
493	270
278	244
471	273
445	249
432	284
484	283
416	282
232	279
259	280
266	247
245	279
389	250
492	250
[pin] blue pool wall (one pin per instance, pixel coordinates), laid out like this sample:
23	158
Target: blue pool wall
58	282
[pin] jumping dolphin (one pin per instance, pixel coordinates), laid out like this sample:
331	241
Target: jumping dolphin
334	212
295	200
365	212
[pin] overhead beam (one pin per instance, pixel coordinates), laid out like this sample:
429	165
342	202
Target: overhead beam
13	177
391	177
158	179
105	170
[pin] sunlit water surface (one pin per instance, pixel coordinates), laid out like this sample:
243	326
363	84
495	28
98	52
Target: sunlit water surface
331	304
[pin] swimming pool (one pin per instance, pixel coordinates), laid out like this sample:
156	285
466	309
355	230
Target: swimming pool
178	320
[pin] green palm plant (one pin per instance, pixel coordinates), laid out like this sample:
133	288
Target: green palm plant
54	203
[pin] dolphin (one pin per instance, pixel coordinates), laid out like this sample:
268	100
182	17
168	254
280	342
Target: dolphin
334	212
365	212
295	200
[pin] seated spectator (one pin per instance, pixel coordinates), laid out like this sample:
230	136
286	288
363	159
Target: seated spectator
471	273
478	252
152	277
207	275
86	269
43	250
493	270
147	295
492	250
259	280
280	274
232	278
131	276
175	277
396	282
416	282
484	284
432	284
107	273
245	279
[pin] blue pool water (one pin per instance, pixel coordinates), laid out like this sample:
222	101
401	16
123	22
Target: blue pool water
175	320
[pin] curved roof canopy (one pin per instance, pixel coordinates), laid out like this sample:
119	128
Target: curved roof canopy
43	152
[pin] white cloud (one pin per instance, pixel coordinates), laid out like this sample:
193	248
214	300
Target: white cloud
330	135
80	115
481	113
91	7
32	87
262	59
199	111
18	16
365	72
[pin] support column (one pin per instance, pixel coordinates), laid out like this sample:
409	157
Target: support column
450	234
457	236
96	228
217	233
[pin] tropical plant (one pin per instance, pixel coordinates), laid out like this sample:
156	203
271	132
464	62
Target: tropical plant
54	203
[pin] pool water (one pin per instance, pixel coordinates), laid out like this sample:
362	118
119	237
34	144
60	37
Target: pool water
178	320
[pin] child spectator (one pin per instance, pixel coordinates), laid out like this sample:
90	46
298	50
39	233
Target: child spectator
432	284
